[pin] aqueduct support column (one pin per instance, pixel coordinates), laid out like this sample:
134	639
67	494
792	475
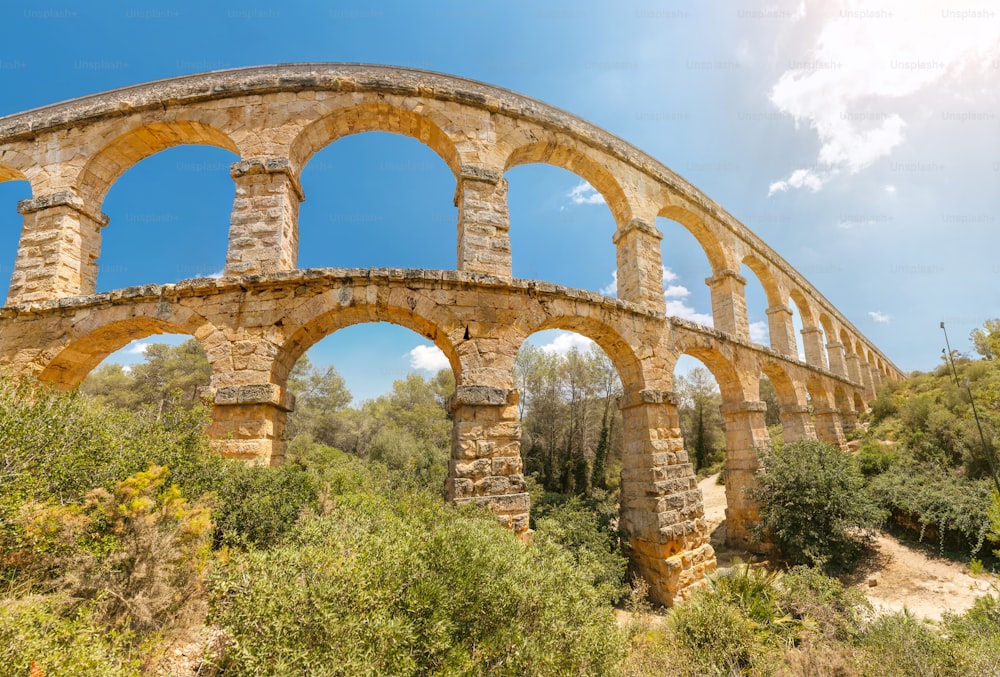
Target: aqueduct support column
812	341
829	428
661	506
483	222
485	463
854	368
746	433
58	250
848	420
640	265
248	422
264	225
866	377
782	331
796	423
838	363
729	303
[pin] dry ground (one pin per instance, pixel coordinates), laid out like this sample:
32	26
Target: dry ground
903	576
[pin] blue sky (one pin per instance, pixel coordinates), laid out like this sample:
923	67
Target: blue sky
860	140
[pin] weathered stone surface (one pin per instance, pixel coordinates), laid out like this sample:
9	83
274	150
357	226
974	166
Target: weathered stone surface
263	314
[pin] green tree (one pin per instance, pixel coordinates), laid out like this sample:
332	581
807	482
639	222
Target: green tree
769	396
569	419
320	394
986	339
701	418
170	378
814	505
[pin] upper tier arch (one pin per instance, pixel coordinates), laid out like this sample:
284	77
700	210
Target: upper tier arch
276	117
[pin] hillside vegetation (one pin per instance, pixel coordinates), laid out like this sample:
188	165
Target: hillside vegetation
123	537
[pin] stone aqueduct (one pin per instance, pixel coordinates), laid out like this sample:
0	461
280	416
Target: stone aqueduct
258	319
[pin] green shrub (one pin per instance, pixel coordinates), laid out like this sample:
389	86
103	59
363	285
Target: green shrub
823	603
138	553
875	459
718	638
814	505
577	528
258	505
936	504
411	586
63	639
976	637
901	645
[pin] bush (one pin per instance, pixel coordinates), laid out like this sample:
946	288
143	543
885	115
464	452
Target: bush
976	637
259	505
814	505
824	603
411	586
579	529
717	632
138	554
938	505
901	645
875	459
63	640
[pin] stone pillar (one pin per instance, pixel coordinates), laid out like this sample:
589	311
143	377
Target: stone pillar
485	463
264	225
248	421
849	420
782	331
866	377
662	512
828	427
58	250
483	222
746	433
796	423
812	341
729	303
876	378
640	265
838	361
854	368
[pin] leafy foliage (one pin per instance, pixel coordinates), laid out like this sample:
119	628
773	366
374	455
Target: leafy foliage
939	506
584	528
814	505
701	418
571	425
138	552
169	378
409	586
62	639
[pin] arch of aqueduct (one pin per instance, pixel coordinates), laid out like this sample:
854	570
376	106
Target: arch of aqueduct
257	320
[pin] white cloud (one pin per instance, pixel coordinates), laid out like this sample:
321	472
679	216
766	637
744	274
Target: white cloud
668	275
137	348
611	289
428	358
585	194
890	189
565	342
686	312
856	86
759	332
676	291
217	274
800	178
879	317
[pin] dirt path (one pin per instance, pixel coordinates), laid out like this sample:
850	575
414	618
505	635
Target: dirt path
903	576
